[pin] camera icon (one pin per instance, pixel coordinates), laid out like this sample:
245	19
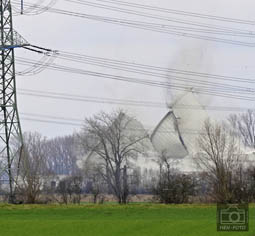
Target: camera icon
232	217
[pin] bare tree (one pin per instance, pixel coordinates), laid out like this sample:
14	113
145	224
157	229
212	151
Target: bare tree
95	181
114	141
136	181
175	189
166	164
33	168
243	125
220	157
70	189
62	155
172	186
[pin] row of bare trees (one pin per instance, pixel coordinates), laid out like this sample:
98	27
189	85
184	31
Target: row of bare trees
111	144
225	173
40	162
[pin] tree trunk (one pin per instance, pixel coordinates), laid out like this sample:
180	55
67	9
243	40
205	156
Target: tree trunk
125	186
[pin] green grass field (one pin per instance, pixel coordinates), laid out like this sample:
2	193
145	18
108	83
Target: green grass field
111	220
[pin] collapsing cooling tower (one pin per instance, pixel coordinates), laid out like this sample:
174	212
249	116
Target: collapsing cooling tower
167	139
176	133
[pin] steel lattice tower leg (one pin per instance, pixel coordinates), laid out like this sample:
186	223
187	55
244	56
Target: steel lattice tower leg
10	131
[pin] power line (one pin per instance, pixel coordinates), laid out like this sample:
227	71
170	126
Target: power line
95	100
161	28
211	88
180	12
51	117
146	70
234	31
60	122
143	72
114	101
142	68
221	91
51	121
31	11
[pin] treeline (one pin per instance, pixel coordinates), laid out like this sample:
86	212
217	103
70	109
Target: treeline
102	160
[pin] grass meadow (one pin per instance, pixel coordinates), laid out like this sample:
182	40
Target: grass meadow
113	220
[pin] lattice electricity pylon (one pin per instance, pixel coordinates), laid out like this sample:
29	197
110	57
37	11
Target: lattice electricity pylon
10	131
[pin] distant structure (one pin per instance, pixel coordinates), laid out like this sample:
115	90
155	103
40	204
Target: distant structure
176	133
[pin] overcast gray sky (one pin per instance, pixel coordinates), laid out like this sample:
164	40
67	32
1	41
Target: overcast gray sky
94	38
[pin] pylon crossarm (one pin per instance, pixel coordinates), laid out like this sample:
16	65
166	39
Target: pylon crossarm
11	41
12	46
